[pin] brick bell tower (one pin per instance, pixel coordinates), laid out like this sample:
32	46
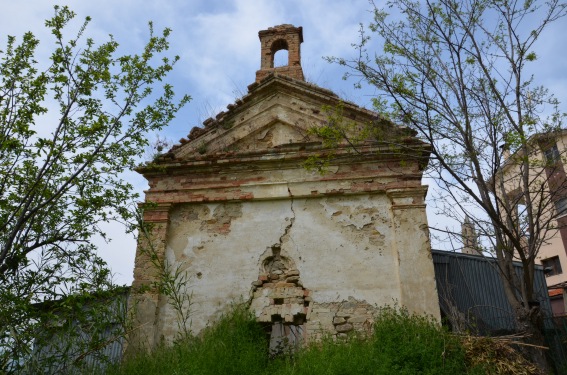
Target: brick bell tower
287	37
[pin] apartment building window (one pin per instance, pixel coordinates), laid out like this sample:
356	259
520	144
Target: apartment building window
561	206
552	266
552	155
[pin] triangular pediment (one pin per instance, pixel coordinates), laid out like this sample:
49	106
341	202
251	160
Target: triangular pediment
264	130
270	136
279	111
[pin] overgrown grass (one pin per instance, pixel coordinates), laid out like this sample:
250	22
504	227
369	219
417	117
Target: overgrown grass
402	344
236	344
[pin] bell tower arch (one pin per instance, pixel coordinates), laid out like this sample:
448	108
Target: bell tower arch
277	38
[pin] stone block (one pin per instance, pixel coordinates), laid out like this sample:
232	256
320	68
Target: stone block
358	319
292	279
292	273
319	310
264	318
339	320
344	328
284	285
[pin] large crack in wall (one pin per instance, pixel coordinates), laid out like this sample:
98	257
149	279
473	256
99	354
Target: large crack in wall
288	227
279	299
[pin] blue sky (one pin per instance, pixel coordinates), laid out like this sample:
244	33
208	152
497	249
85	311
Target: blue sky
220	53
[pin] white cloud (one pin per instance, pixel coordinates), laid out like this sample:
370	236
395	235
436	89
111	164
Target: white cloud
220	52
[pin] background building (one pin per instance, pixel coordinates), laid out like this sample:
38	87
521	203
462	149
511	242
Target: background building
547	155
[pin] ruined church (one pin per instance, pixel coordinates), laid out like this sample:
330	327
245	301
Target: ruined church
236	210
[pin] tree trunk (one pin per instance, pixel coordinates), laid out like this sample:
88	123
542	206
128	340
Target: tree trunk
530	321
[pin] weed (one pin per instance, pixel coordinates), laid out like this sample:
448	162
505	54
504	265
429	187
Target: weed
402	343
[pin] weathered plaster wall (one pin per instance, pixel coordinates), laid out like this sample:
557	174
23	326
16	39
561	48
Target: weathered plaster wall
234	206
344	249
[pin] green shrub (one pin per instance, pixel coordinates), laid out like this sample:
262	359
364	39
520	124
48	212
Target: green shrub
236	344
414	344
402	343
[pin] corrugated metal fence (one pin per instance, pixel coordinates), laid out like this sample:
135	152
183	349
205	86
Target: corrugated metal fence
84	342
471	295
472	284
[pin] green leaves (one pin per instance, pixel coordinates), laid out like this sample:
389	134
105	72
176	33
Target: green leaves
454	71
60	163
531	56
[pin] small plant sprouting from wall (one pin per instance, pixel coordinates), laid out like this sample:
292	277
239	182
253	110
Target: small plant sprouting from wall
337	131
157	147
173	282
202	148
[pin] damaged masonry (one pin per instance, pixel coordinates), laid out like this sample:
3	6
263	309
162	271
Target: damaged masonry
313	254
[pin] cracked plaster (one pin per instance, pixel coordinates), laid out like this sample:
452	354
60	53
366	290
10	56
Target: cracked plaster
236	189
341	247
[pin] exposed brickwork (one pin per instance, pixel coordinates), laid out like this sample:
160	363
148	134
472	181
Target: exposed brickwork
278	294
222	218
277	38
279	297
145	273
144	297
283	298
339	319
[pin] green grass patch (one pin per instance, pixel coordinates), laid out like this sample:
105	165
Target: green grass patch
236	344
402	343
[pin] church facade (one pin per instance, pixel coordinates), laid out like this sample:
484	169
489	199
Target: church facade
235	209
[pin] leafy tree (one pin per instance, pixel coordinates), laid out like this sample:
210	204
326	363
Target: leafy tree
69	127
455	71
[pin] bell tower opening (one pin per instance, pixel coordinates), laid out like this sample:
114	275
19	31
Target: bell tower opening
280	53
274	42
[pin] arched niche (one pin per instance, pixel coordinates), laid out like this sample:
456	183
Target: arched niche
278	47
279	301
